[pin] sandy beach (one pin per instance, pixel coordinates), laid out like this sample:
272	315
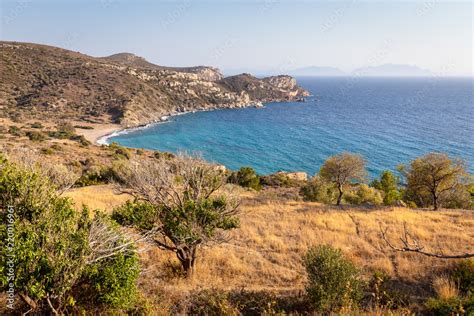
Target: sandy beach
99	131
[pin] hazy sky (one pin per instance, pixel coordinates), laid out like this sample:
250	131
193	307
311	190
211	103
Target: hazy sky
259	35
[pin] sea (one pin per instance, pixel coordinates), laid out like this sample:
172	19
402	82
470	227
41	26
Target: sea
389	121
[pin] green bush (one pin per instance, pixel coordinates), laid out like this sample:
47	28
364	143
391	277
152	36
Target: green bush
36	136
63	131
382	296
463	274
246	177
114	281
97	175
388	184
47	151
52	251
450	306
139	214
81	140
15	131
119	152
165	155
363	194
210	302
36	125
319	190
333	280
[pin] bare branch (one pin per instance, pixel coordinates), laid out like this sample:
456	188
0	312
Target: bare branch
412	244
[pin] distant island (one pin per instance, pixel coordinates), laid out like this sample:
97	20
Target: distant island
392	70
385	70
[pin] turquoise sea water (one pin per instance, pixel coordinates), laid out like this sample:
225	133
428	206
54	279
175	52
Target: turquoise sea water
387	120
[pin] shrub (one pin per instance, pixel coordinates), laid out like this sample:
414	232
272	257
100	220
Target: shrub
210	302
47	151
388	184
463	274
139	214
15	131
333	281
382	296
55	245
36	136
363	194
452	306
63	131
246	177
255	303
97	175
36	125
81	140
114	281
119	152
319	190
163	155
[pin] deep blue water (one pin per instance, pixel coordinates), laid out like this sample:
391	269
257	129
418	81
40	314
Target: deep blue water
387	120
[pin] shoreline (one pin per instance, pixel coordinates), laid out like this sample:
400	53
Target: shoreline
100	136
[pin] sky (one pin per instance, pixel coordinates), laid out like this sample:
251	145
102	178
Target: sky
255	35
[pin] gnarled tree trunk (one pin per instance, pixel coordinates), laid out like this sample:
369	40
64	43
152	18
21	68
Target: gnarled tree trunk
187	257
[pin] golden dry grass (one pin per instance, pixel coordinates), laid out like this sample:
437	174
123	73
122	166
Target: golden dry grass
265	253
97	197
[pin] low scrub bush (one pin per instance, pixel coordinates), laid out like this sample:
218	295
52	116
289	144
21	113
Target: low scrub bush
388	185
36	136
333	280
463	275
246	177
37	125
451	306
63	131
279	180
119	152
15	131
163	155
382	296
59	250
210	302
319	190
363	194
94	175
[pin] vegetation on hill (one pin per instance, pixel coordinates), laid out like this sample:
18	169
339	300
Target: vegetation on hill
39	81
72	260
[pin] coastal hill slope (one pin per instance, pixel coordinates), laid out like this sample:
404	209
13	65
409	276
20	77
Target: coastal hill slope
44	82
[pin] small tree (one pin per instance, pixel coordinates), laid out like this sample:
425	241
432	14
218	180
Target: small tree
342	169
388	184
182	208
333	281
434	175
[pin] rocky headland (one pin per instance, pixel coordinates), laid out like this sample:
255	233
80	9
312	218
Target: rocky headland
48	83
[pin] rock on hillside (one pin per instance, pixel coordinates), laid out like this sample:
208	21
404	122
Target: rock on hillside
44	82
128	59
277	88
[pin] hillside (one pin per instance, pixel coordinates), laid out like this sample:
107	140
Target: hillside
42	82
262	262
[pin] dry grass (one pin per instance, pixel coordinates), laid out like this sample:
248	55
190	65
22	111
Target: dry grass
265	253
97	197
445	288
